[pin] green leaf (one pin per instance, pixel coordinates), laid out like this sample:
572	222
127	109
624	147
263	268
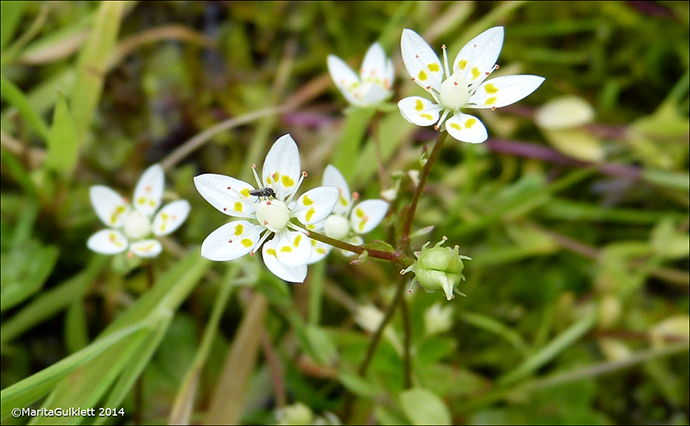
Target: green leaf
93	65
16	98
24	271
63	146
27	391
11	12
323	347
357	385
423	407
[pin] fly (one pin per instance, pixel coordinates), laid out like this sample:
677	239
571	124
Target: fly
263	193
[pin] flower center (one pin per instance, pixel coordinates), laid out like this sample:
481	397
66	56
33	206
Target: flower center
336	226
137	225
454	92
273	214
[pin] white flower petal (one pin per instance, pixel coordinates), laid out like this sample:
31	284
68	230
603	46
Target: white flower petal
345	79
501	91
374	64
110	207
333	177
466	128
293	274
419	111
315	205
227	194
281	169
148	193
479	55
421	61
231	241
292	248
367	215
170	217
146	248
107	241
319	250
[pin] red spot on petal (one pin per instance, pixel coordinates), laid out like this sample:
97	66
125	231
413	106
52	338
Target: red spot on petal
230	241
493	108
416	56
148	188
229	187
225	209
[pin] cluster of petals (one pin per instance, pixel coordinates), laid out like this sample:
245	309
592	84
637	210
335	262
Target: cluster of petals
267	211
462	86
347	222
372	86
131	226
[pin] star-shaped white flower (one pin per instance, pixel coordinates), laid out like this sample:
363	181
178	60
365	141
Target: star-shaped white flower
131	226
362	219
269	210
464	85
372	86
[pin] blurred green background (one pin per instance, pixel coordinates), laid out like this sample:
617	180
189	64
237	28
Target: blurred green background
577	294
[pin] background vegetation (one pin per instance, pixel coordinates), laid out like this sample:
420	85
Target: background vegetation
577	294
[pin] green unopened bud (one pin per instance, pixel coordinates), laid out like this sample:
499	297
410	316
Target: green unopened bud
438	268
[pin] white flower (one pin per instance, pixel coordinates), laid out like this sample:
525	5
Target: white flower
463	88
131	226
362	219
376	75
270	209
438	319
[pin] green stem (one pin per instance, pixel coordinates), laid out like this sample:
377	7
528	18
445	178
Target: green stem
379	332
396	257
404	241
407	342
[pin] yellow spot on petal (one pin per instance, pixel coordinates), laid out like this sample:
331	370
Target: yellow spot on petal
247	242
164	216
239	229
297	240
141	200
271	252
245	192
462	64
475	73
320	250
422	76
343	201
470	122
359	212
268	178
361	224
433	67
418	105
307	201
163	226
286	249
310	214
287	181
426	116
456	126
238	206
490	101
152	203
490	88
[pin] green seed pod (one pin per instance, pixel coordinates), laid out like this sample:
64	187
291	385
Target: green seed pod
438	268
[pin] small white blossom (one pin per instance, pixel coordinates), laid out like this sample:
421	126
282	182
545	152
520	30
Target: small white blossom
270	209
372	86
131	226
438	319
464	87
362	219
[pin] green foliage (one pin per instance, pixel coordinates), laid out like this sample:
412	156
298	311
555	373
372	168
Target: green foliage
577	304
